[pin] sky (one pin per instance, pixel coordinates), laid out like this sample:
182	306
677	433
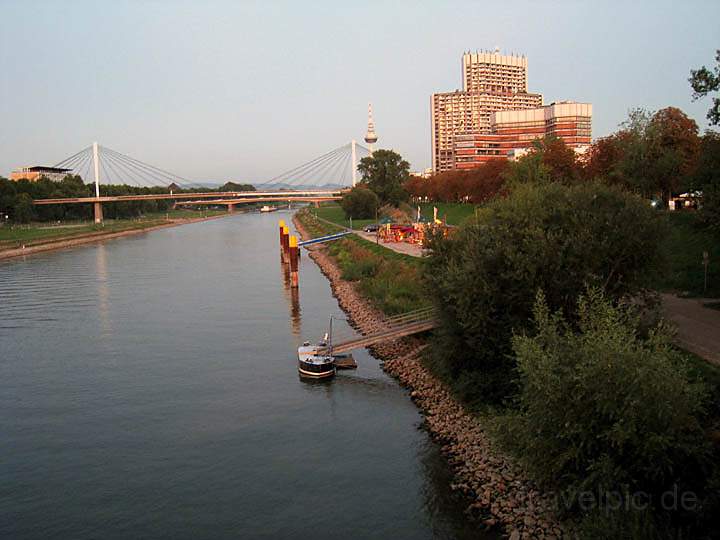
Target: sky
244	91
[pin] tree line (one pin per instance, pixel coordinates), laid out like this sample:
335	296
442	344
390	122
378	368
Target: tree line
16	199
655	155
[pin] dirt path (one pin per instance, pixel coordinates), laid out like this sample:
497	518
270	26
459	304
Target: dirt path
698	327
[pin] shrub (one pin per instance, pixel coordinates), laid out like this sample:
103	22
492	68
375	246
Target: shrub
602	410
557	238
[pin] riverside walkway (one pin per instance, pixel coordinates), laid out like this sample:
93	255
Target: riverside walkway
698	327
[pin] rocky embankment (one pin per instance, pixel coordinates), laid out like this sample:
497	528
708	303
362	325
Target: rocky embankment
497	491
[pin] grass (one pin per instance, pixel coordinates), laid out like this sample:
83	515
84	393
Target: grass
455	213
700	369
389	280
38	233
684	250
333	212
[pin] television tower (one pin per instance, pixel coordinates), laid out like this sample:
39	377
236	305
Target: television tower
370	137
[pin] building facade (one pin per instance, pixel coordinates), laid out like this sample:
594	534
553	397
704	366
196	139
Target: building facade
491	82
34	173
513	131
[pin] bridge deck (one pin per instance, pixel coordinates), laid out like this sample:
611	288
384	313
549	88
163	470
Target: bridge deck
251	196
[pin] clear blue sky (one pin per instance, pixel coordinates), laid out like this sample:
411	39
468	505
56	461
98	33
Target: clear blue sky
217	90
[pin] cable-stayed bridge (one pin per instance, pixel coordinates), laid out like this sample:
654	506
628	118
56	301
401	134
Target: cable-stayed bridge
320	179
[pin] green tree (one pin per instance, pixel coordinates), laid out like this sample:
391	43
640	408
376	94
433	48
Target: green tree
360	203
23	211
549	160
707	179
704	81
660	152
234	186
7	197
385	173
554	237
602	410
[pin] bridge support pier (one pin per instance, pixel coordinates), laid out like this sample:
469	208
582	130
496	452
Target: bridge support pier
231	208
97	210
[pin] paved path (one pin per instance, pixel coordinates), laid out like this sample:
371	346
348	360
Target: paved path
414	250
698	327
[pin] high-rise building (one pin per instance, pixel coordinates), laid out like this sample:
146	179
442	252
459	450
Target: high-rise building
515	130
491	82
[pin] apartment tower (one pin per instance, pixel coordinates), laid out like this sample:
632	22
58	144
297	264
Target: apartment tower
491	82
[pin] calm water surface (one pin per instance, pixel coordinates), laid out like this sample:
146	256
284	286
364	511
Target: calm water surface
148	390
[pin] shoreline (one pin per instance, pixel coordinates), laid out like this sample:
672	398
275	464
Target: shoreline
57	244
497	493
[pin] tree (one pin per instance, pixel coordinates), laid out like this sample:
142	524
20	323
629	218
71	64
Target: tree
360	203
602	410
553	237
659	152
675	149
704	81
385	173
7	197
486	181
605	156
417	186
234	186
549	160
707	179
23	211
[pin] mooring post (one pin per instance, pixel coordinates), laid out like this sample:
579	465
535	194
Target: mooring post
281	224
285	245
293	249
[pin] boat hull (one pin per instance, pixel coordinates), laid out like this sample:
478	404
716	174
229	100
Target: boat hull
316	371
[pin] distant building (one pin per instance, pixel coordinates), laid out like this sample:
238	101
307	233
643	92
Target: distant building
491	82
35	172
513	132
425	173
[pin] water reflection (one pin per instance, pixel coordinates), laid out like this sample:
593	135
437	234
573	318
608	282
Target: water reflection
292	294
103	291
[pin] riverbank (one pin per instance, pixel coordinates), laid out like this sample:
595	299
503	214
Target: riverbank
73	240
498	493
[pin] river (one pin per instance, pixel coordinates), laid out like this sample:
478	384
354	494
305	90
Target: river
148	389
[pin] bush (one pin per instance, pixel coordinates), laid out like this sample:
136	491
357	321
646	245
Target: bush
602	410
359	203
557	238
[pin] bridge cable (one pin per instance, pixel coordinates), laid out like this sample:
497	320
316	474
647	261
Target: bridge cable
308	168
146	179
318	168
111	165
159	177
300	167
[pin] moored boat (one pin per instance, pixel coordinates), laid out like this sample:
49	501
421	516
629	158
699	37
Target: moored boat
267	208
315	360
